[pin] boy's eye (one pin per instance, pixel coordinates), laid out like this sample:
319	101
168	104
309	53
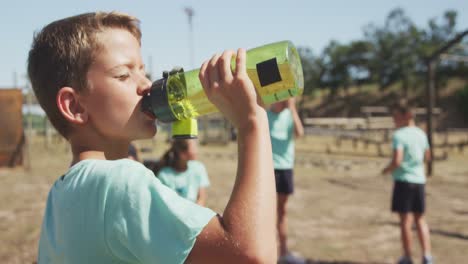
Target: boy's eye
123	77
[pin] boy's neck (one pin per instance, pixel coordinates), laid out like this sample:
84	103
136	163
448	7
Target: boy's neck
408	123
93	148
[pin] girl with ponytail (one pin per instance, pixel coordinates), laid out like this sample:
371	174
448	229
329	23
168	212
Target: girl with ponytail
179	170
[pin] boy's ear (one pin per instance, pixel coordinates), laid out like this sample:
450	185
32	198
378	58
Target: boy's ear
68	102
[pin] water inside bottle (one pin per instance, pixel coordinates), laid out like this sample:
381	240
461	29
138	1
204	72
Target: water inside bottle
280	73
190	101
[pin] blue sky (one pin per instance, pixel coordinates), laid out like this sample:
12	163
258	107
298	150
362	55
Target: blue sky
217	25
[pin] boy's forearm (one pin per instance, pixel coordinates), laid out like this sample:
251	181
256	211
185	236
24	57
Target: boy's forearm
391	167
395	162
388	169
251	211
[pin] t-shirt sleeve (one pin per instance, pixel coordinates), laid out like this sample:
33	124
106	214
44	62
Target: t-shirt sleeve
397	143
146	222
203	176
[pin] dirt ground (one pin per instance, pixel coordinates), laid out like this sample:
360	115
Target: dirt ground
338	214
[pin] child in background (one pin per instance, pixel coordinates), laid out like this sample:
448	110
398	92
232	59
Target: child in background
179	170
89	77
410	151
285	126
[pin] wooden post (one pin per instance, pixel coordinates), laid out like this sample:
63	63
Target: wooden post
430	104
430	89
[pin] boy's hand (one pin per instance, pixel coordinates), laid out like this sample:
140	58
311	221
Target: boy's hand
233	93
385	171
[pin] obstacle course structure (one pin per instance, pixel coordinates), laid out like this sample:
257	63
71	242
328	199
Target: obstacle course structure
12	139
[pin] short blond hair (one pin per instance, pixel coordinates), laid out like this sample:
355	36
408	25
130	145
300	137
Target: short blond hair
62	52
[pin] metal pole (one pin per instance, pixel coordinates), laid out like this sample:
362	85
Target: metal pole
430	91
190	13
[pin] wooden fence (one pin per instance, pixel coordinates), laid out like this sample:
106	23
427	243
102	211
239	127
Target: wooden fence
375	129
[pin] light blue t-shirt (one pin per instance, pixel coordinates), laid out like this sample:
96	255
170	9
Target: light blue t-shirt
186	183
414	143
282	138
117	212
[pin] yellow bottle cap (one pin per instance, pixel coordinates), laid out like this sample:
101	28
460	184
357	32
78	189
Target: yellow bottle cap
186	128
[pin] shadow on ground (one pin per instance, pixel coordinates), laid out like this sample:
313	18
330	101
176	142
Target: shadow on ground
435	231
460	212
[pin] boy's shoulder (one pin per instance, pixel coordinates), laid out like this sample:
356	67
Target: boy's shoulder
111	171
410	134
408	130
126	164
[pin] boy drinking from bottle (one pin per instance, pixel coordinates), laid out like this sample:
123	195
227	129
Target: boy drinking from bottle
88	75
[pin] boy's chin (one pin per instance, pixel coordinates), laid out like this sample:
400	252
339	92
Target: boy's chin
147	134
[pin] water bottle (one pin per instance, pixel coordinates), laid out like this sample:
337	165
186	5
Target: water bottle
275	70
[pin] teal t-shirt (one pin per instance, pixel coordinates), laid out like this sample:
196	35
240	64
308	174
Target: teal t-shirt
186	183
414	143
282	138
117	212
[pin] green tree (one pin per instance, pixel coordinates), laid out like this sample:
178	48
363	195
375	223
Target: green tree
313	69
439	32
336	73
394	43
359	59
395	52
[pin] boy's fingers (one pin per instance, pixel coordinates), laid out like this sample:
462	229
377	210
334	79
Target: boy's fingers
213	72
225	66
204	76
240	62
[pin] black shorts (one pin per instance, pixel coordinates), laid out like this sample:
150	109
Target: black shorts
408	198
284	181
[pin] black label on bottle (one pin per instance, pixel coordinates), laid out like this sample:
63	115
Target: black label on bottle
268	72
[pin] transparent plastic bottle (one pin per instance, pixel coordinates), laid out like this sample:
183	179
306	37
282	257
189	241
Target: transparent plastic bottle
275	70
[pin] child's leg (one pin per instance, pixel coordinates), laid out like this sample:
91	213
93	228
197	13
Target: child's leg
282	223
423	234
406	222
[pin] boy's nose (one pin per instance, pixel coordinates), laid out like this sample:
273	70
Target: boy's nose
144	86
